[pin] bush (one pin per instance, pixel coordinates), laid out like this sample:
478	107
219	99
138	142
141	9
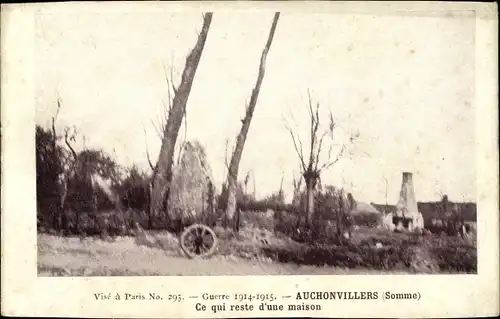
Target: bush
398	252
461	259
350	256
286	223
257	219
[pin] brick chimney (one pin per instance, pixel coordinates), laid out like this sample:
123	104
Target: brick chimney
407	204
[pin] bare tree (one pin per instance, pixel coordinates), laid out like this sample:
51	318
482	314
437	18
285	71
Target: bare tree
254	185
70	170
67	167
60	181
148	157
162	175
297	184
245	183
311	166
232	175
280	192
386	188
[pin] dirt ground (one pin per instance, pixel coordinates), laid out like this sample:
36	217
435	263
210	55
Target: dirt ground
58	256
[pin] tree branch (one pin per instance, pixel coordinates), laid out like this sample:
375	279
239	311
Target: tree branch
170	85
297	149
253	181
327	165
297	182
281	183
181	146
54	118
225	155
147	150
174	89
318	151
330	130
160	126
157	129
229	172
162	121
386	187
311	114
67	138
314	115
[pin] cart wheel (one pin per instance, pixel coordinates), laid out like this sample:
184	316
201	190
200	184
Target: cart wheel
198	241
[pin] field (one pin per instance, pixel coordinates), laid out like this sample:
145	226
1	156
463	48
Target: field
256	251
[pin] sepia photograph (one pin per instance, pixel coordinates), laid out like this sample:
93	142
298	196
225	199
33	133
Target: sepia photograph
189	159
254	143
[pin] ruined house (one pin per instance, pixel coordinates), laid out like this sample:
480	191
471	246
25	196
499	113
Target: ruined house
192	184
406	215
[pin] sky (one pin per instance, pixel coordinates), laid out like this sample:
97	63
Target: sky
405	83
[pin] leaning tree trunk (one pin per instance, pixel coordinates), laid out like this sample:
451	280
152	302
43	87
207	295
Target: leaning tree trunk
163	169
232	174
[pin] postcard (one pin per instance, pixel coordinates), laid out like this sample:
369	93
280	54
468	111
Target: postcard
250	159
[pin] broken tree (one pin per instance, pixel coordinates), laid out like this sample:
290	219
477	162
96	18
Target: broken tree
311	168
232	174
162	175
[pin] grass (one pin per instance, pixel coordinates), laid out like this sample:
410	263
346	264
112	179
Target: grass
257	251
261	247
59	256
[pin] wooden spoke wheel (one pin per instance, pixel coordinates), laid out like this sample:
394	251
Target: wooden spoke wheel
198	241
